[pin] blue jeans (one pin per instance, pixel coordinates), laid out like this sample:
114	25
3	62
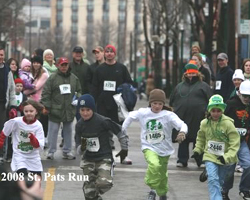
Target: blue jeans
244	161
216	174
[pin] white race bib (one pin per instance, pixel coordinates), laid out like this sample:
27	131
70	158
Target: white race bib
154	137
93	144
242	131
109	85
218	85
216	148
65	88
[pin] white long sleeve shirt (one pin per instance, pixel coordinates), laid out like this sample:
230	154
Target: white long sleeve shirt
24	154
156	129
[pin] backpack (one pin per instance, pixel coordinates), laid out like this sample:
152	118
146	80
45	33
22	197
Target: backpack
128	95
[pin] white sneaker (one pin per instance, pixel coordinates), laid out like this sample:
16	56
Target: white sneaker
126	161
50	156
68	156
239	169
181	164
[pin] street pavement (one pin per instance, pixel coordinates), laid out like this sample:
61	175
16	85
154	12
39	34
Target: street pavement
128	179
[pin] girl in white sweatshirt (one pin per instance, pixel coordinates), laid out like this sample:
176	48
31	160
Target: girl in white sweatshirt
157	122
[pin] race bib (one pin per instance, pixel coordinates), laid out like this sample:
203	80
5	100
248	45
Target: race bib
242	131
218	85
155	137
216	148
65	88
93	144
109	85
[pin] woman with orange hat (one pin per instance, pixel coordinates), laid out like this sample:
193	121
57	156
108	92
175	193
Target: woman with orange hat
189	100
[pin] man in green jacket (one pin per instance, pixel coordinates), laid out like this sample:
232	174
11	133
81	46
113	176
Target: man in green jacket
57	97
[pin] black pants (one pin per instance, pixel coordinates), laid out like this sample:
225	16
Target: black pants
183	152
44	119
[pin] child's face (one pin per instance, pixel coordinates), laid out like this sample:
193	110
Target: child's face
19	87
29	112
13	66
86	113
237	82
26	68
156	106
216	114
245	99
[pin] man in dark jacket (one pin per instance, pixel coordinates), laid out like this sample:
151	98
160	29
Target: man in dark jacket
79	68
224	84
99	56
108	76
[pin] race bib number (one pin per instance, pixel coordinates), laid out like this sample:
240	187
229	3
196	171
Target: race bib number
109	85
242	131
155	137
216	148
65	88
218	85
93	144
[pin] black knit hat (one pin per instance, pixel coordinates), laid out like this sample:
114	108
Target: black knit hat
86	100
38	59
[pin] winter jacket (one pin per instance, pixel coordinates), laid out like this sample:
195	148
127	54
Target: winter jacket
36	93
27	79
80	70
116	73
10	89
240	113
59	105
224	84
226	133
189	100
203	70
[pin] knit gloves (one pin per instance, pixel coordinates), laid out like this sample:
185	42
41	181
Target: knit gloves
123	154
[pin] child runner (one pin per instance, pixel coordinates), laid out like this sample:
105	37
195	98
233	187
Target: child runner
238	108
93	137
219	140
157	122
28	139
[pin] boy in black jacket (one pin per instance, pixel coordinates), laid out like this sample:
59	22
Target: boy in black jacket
93	139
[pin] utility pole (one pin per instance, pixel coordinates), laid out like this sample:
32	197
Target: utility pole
30	17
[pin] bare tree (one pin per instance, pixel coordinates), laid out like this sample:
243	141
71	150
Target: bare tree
164	18
59	41
11	26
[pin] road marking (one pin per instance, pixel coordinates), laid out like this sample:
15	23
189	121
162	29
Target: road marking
50	185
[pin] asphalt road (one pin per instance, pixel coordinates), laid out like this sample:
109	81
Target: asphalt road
63	179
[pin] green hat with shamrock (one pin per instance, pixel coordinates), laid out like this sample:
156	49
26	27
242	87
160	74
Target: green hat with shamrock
216	101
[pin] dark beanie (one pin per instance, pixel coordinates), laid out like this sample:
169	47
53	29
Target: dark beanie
37	59
157	95
87	101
